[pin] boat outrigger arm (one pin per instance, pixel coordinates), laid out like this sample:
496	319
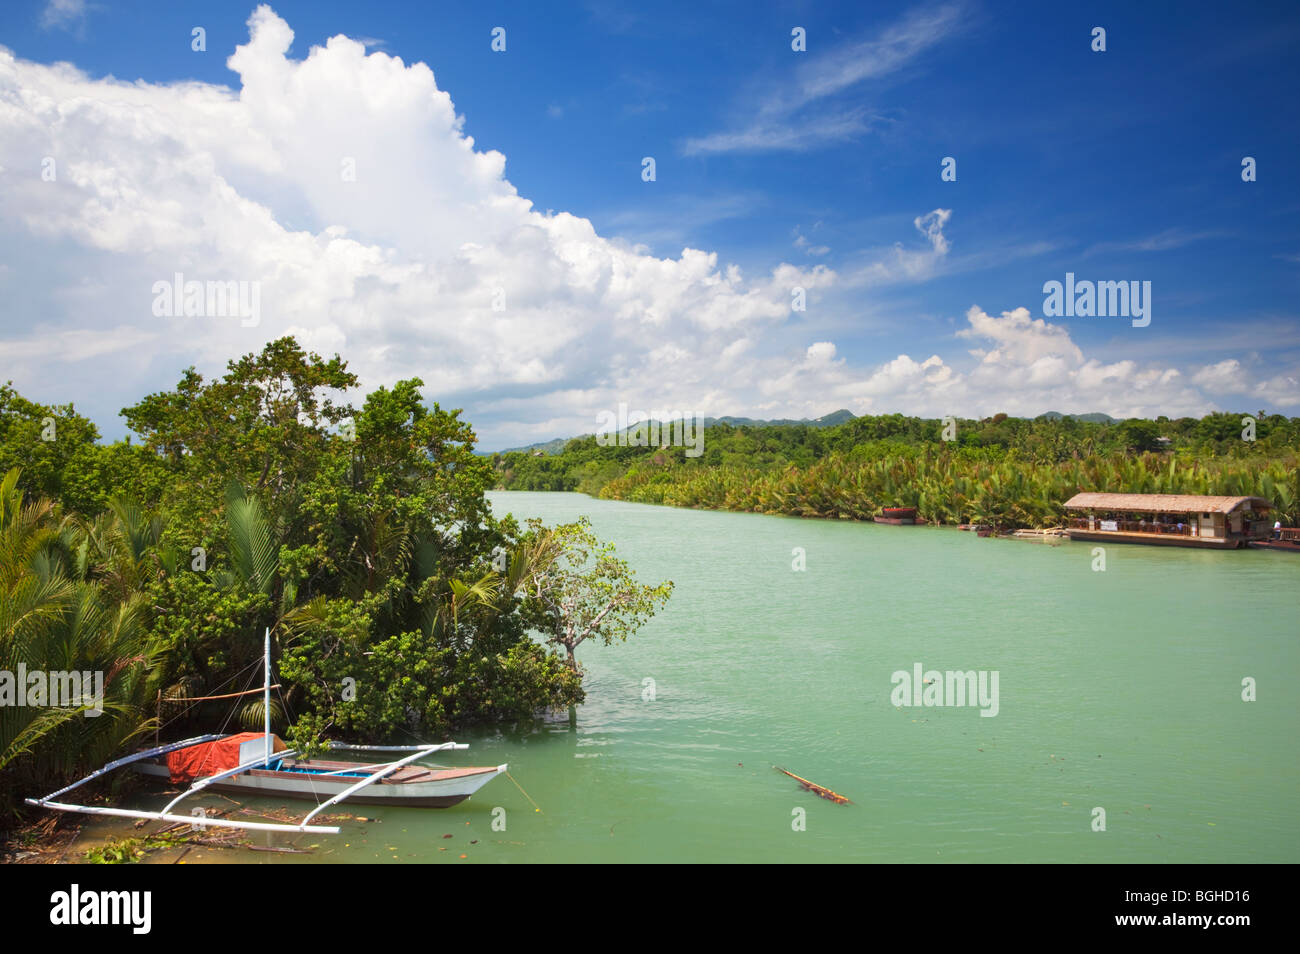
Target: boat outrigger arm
381	771
263	761
165	815
196	820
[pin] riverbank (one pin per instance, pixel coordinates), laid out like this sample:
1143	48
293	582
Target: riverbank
944	489
59	838
44	840
1006	472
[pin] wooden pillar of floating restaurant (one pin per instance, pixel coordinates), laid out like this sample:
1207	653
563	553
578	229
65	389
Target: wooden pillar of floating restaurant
1180	520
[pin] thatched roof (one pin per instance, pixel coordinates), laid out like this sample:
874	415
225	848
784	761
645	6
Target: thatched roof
1165	503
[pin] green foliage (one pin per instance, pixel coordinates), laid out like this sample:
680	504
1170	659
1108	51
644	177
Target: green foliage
1140	435
129	851
427	686
63	608
361	539
1011	472
44	440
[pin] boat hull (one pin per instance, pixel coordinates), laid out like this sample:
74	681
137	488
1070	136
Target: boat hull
413	785
899	516
1285	546
1155	539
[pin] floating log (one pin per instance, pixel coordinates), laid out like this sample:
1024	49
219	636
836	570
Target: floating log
816	789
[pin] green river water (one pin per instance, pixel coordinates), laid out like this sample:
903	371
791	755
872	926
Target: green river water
1119	690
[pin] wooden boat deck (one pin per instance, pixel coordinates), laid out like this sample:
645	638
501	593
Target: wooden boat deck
1161	539
410	785
404	775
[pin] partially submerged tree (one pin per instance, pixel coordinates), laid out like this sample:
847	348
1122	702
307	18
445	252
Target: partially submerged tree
575	588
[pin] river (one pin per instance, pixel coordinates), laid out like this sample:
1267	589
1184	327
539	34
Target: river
1118	690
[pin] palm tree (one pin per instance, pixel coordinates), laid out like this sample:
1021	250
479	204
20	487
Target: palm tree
54	619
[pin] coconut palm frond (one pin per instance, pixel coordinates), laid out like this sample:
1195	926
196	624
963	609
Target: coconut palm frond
255	557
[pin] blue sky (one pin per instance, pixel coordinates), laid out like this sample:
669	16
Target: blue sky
819	169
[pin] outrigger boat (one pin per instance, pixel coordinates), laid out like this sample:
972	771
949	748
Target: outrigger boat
260	764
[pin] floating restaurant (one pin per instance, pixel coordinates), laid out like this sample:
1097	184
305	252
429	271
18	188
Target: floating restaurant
1180	520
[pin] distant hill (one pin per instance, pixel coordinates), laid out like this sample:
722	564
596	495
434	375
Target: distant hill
826	420
557	445
546	447
1095	418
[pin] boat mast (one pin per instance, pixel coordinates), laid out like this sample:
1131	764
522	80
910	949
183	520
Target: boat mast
266	697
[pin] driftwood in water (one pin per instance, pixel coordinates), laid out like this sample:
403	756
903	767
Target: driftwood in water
816	789
280	848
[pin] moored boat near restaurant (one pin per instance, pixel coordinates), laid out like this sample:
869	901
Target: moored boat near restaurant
1183	520
1051	533
1286	539
899	516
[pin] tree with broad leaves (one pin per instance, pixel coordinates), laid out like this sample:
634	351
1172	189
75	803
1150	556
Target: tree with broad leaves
575	588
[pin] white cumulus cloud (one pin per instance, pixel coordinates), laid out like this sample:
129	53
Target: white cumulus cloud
345	185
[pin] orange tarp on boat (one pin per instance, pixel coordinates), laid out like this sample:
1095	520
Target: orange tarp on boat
209	758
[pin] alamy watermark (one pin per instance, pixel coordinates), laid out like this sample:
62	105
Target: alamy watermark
1087	299
58	689
655	429
132	909
951	688
195	299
